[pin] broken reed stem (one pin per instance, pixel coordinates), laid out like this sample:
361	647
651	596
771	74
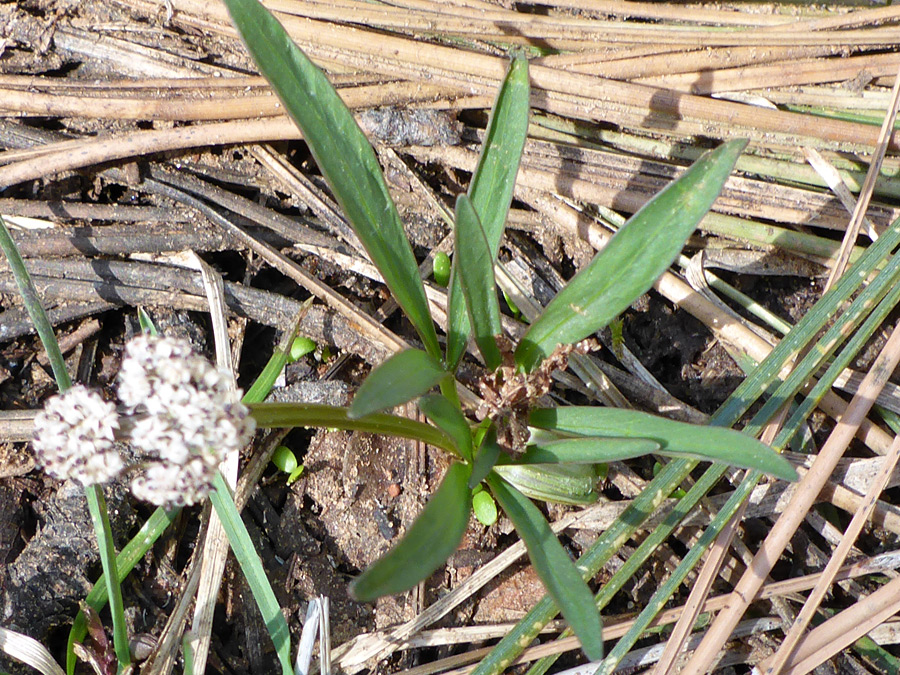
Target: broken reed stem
774	665
803	499
868	188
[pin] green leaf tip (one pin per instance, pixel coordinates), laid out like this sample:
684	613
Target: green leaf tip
491	189
401	378
675	439
561	578
632	260
343	154
430	540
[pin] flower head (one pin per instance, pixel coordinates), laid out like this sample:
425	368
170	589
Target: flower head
189	418
74	437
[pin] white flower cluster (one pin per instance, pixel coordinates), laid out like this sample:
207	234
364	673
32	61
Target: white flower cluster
191	418
185	418
76	437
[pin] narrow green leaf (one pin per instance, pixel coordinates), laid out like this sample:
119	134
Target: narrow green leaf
100	517
401	378
560	576
475	271
289	415
264	382
253	571
552	449
430	540
677	439
486	457
132	552
447	417
342	153
492	186
34	308
632	260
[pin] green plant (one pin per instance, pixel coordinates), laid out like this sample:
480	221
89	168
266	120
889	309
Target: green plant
555	460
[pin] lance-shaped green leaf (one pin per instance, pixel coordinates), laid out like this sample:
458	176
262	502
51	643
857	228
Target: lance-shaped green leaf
289	415
430	540
491	188
342	153
401	378
486	457
549	448
475	271
553	565
447	417
678	439
632	260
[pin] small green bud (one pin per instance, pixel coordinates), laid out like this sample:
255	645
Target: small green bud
485	508
516	312
285	459
300	347
441	269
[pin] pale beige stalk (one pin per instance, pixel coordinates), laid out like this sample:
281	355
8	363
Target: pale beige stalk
793	516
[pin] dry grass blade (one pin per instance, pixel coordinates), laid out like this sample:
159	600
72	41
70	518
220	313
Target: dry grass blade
215	543
810	486
843	629
711	568
776	663
868	187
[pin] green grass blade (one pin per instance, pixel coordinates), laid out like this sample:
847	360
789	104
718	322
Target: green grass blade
133	551
100	517
401	378
253	571
35	309
475	271
742	492
632	260
289	415
342	153
447	417
677	439
550	449
264	382
430	540
492	186
553	565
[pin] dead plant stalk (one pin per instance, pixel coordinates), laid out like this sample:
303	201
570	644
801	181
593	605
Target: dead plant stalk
807	491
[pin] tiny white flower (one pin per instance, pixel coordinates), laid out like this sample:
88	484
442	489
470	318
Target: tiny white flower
75	437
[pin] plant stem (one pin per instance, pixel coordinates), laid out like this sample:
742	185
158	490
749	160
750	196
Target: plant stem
128	557
100	516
